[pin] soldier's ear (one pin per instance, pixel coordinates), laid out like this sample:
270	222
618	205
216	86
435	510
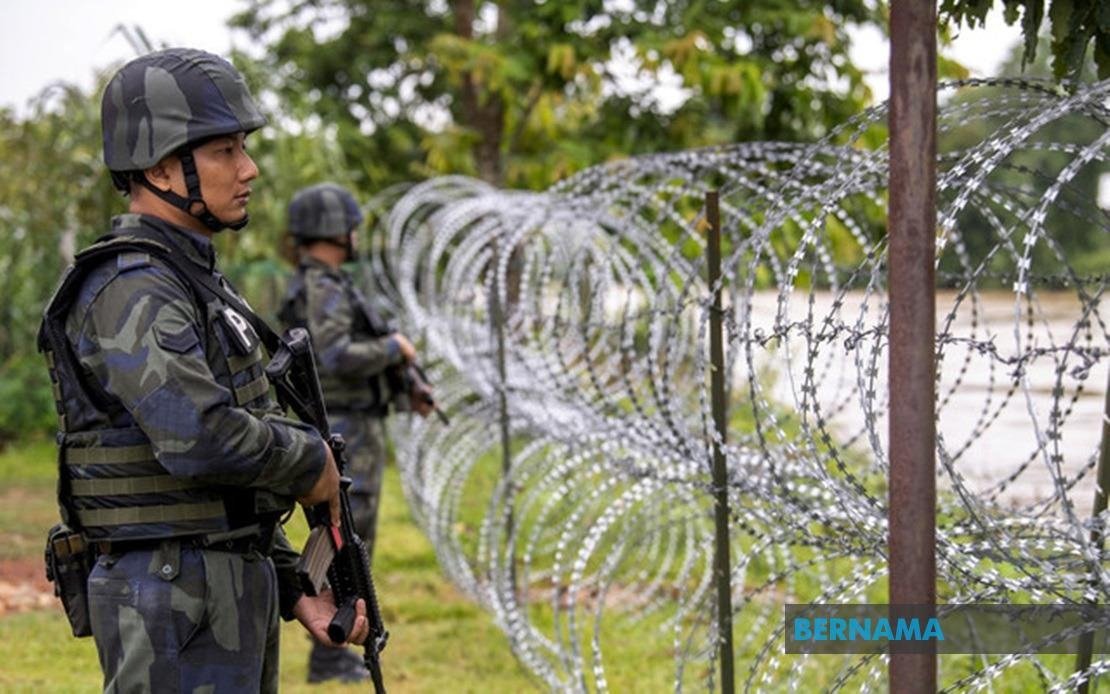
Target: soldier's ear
159	175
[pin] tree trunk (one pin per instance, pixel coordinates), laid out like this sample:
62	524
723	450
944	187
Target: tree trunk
484	118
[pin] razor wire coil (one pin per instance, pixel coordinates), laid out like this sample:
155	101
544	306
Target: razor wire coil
602	526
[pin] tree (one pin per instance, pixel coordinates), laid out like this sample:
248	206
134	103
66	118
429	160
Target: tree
52	191
524	92
1075	222
1076	24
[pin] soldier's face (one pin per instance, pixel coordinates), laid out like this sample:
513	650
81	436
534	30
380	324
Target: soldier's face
225	170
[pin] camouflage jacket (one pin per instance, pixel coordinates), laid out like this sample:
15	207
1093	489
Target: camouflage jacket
351	342
167	424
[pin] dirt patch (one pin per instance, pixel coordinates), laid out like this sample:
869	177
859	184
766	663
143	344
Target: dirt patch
23	586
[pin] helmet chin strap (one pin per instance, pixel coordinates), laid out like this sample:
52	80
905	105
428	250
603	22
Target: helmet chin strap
194	204
354	254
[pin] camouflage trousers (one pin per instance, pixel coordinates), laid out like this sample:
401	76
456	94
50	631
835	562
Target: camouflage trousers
181	619
365	437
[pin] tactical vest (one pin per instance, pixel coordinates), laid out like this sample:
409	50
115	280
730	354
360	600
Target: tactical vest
343	394
110	485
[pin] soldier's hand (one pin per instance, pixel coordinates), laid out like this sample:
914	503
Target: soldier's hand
421	398
407	350
361	630
315	613
326	488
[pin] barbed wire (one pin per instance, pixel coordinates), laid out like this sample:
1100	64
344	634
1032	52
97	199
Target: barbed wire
598	535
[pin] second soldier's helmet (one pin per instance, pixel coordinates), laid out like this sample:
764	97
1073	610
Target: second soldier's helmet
168	102
323	211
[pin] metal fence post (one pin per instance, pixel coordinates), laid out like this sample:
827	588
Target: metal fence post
912	243
722	564
497	318
1087	641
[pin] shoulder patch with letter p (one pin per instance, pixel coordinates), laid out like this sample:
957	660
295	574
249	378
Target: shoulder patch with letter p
246	339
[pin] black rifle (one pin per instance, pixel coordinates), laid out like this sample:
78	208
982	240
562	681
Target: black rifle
414	382
337	554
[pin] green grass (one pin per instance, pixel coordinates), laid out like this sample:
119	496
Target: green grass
26	513
44	642
439	640
33	464
27	501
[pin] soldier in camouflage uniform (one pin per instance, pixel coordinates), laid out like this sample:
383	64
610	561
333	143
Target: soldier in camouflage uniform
174	461
360	364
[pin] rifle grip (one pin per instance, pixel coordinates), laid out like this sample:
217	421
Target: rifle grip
343	622
320	514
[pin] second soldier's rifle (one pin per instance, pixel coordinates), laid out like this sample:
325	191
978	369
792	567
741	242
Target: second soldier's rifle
415	382
335	555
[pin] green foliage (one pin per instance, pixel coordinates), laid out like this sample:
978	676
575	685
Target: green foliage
1074	222
1076	24
54	198
26	404
524	92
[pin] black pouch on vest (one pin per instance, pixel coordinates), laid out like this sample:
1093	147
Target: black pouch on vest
68	563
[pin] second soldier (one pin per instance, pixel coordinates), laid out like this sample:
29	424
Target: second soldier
361	362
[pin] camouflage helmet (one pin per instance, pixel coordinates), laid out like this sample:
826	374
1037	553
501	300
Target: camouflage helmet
168	102
160	101
323	211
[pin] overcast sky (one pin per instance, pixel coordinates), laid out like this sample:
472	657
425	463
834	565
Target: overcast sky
44	41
